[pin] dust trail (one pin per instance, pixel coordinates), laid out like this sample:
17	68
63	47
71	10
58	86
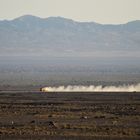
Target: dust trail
92	88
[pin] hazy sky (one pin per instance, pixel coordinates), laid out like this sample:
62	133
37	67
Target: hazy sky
102	11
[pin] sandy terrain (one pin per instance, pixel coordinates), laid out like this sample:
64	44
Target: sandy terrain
99	116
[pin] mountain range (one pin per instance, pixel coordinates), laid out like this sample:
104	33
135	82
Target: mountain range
58	36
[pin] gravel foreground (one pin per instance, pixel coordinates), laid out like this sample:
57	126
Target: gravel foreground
71	115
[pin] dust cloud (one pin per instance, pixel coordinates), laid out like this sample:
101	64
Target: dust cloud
92	88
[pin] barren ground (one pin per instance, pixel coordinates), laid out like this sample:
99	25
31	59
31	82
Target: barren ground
99	116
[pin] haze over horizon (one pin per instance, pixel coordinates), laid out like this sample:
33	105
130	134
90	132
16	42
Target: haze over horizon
36	50
104	12
61	17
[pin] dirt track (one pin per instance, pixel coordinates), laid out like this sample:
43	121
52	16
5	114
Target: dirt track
36	115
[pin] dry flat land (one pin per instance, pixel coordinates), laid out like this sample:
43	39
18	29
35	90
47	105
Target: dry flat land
58	116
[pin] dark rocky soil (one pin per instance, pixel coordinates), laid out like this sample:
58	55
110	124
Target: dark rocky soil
58	116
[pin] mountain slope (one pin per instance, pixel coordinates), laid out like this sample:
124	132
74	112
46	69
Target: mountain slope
57	36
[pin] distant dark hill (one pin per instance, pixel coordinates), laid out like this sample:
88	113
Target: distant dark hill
57	36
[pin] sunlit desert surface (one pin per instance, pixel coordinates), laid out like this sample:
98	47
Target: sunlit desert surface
69	115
